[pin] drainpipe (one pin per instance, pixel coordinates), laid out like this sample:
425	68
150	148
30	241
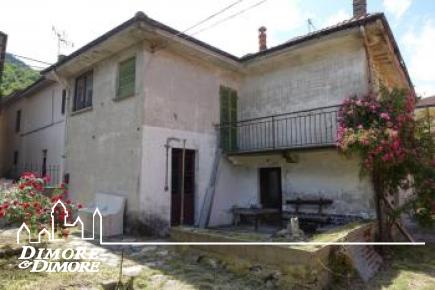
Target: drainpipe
167	146
65	86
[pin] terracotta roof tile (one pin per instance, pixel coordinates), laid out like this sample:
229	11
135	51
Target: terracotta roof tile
426	102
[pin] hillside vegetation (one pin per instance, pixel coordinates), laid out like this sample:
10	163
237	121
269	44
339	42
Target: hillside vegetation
16	76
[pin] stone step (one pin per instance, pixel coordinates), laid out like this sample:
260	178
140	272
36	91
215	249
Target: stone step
365	259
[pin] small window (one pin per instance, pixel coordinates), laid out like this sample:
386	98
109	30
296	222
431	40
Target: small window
18	121
63	102
83	91
44	163
126	78
16	158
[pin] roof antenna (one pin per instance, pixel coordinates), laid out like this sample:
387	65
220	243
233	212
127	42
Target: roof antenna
61	39
311	26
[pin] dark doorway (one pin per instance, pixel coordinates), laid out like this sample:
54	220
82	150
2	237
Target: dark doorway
189	187
270	188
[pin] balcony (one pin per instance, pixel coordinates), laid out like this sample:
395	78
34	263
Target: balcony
296	130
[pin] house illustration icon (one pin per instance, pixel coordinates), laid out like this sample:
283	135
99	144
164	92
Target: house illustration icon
50	234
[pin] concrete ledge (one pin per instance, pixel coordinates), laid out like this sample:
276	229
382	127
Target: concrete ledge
298	265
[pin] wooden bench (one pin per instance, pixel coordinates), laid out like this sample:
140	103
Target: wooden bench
299	202
256	213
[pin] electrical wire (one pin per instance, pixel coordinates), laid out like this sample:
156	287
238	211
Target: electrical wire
229	17
212	16
29	58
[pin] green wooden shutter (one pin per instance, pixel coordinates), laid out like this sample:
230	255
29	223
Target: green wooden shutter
225	118
228	114
233	120
127	78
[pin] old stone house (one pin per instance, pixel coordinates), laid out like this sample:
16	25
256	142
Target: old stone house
254	130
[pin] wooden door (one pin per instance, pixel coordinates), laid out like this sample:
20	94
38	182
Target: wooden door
189	187
270	188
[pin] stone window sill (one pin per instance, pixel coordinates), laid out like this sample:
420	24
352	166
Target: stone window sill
87	109
118	99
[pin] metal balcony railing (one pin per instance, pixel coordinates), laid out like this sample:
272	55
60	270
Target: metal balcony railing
303	129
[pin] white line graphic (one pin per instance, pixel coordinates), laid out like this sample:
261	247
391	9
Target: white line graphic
97	214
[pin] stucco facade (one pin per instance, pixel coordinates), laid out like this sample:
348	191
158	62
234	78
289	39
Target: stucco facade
104	141
118	146
321	74
42	128
125	146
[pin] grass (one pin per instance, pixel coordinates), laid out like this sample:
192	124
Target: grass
163	268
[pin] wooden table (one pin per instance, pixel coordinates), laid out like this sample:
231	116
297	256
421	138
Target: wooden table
256	213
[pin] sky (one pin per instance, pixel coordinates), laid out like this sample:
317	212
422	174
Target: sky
29	24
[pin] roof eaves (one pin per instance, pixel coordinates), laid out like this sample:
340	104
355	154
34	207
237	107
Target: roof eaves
138	18
397	51
354	22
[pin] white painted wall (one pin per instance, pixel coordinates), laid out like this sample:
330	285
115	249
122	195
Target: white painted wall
42	128
155	202
321	74
182	101
317	174
104	142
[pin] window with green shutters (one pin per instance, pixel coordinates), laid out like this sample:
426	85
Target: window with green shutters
126	78
228	108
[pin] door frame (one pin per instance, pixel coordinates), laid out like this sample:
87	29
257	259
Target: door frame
280	181
195	185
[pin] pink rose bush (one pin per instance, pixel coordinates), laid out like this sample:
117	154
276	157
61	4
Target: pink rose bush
393	146
26	202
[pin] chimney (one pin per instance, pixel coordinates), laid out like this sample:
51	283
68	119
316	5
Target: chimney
359	8
262	38
60	57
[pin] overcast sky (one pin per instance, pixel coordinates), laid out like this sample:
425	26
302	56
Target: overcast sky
28	24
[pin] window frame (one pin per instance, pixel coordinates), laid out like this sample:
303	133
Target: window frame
18	118
16	158
118	96
63	105
87	83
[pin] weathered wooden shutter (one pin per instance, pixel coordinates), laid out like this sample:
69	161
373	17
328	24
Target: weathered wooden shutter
127	78
228	108
233	119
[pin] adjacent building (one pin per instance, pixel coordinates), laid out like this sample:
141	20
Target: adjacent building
35	130
3	143
426	108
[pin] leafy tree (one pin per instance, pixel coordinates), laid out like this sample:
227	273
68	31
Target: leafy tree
16	75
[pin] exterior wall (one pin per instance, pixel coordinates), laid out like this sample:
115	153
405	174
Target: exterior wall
318	75
181	101
42	128
119	146
104	142
3	143
316	174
